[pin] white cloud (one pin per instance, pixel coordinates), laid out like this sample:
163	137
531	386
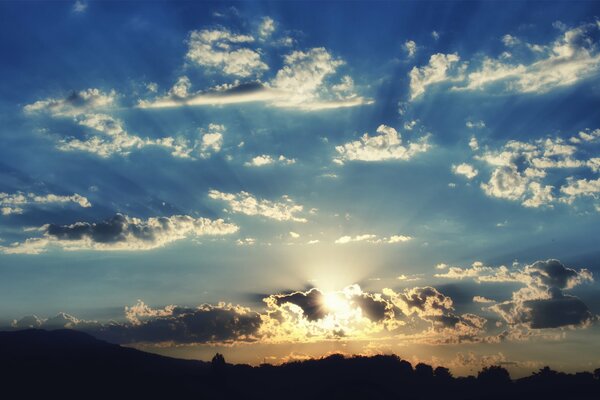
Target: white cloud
212	140
473	143
387	145
16	202
76	103
108	138
580	187
566	61
465	169
521	169
120	233
302	83
481	299
246	203
475	124
265	159
294	235
226	51
79	6
571	58
411	48
373	239
266	28
510	41
437	70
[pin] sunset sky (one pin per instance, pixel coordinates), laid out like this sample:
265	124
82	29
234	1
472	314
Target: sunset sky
283	180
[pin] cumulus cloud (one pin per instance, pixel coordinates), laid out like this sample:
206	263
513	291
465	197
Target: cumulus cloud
120	233
387	145
15	203
411	48
246	203
542	303
440	68
466	170
226	51
76	103
211	140
304	82
266	27
374	239
521	170
265	159
419	314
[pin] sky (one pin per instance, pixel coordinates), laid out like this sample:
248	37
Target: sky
284	180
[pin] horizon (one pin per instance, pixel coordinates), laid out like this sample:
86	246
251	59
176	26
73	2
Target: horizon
277	181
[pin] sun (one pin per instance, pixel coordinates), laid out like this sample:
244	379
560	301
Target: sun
336	303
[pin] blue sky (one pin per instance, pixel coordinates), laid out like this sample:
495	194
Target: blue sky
178	153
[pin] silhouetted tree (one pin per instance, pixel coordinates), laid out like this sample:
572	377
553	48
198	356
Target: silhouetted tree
218	362
597	373
423	371
442	373
405	369
494	375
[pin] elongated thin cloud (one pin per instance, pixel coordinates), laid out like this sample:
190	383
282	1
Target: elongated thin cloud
246	203
120	233
15	203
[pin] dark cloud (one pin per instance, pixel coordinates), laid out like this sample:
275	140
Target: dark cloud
311	303
205	324
374	309
553	274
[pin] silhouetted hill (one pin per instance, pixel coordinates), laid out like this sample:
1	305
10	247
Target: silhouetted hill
70	364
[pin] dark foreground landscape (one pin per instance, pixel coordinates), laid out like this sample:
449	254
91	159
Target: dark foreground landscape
71	364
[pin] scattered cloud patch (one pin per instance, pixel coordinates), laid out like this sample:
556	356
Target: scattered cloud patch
229	53
245	203
386	145
465	170
265	159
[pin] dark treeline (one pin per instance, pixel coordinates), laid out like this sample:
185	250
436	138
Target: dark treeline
70	364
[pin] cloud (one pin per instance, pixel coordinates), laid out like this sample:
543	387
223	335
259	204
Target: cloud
411	48
541	303
302	83
120	233
439	69
521	169
212	140
481	299
265	159
266	27
387	145
465	169
107	137
220	49
79	6
246	203
475	124
374	239
571	58
76	103
16	202
422	315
